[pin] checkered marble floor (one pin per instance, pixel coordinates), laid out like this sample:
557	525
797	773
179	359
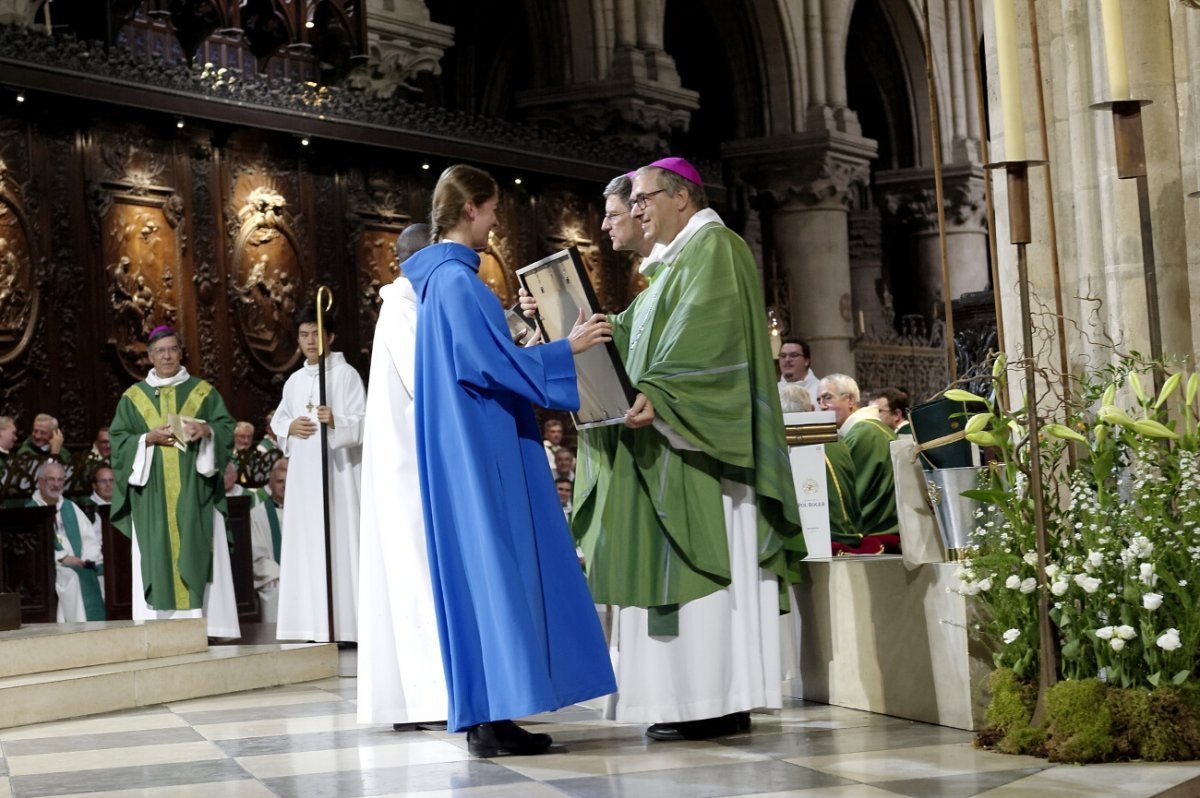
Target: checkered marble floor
303	740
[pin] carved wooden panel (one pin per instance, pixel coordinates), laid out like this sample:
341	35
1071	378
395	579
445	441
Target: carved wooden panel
19	295
266	283
137	212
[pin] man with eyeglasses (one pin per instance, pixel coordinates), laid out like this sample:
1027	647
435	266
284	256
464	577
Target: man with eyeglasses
78	560
684	513
46	440
169	497
795	367
869	440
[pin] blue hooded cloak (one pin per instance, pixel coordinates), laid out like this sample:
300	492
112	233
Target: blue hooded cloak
518	629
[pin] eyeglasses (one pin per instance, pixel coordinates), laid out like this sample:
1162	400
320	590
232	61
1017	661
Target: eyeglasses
640	200
608	217
162	350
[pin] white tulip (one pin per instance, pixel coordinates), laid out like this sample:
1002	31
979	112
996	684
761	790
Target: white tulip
1152	601
1169	641
1013	582
1051	571
1126	632
1060	587
1028	585
1117	644
1011	635
1105	632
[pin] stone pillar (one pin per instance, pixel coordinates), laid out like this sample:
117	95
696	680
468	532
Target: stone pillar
402	42
806	184
909	198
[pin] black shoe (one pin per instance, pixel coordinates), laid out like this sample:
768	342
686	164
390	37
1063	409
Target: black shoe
432	725
700	729
505	737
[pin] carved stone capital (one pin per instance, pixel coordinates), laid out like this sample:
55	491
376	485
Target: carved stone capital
908	197
403	43
825	169
641	112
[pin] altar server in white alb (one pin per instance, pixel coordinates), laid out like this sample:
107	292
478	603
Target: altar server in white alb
302	607
400	674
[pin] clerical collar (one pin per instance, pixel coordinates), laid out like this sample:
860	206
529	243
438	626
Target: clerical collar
41	501
156	381
665	254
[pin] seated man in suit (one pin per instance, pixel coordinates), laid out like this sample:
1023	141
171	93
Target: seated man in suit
78	559
266	525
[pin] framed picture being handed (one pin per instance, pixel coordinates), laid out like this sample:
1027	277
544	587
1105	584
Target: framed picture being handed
561	287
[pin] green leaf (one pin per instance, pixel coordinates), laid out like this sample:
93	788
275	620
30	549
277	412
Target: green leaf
989	495
1071	650
1154	678
1181	677
1192	384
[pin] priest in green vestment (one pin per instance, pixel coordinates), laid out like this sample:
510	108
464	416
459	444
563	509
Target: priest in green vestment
79	562
46	440
683	514
8	441
869	440
168	496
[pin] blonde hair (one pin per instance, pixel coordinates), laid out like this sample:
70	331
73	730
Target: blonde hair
457	186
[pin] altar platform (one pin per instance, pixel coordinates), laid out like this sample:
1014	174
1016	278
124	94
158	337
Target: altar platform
878	637
52	671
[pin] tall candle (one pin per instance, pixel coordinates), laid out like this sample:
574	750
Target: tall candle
49	26
1114	50
1010	80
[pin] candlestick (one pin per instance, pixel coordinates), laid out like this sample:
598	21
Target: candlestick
1010	80
1114	50
49	26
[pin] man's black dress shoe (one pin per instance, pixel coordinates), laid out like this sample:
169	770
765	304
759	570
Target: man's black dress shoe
505	737
431	725
700	729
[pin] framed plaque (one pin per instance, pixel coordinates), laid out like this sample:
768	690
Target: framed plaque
561	287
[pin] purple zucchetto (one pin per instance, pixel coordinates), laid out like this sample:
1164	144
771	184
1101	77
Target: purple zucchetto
680	167
161	331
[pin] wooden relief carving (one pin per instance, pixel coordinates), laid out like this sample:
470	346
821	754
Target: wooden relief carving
267	278
19	295
564	223
377	267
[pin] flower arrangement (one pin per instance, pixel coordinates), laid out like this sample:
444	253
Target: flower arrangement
1121	491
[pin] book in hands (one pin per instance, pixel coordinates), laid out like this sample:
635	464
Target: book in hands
176	423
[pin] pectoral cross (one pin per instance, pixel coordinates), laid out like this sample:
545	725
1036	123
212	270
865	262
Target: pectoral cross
309	406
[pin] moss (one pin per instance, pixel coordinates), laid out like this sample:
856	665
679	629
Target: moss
1079	722
1009	714
1128	710
1172	729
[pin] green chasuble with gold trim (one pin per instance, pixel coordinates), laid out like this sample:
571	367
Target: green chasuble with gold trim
869	441
650	518
173	512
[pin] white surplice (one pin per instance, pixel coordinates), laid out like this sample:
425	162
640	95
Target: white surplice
302	593
66	581
400	675
262	551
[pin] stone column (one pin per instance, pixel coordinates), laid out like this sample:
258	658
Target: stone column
402	42
806	184
908	197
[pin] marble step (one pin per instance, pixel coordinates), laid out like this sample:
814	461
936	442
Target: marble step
43	647
75	692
